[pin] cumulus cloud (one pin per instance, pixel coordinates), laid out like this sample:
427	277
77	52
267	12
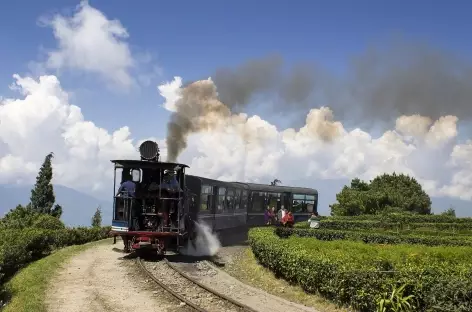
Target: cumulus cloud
242	147
168	90
90	42
43	120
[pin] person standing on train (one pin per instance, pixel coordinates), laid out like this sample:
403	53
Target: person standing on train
128	187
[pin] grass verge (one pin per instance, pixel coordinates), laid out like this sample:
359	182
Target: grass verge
244	267
28	287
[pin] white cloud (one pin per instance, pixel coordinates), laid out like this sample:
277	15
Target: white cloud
90	42
417	146
169	91
42	121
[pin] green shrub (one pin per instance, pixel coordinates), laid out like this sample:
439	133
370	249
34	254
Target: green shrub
375	238
404	218
337	224
20	247
357	274
48	222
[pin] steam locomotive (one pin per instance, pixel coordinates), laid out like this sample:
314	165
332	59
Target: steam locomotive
161	211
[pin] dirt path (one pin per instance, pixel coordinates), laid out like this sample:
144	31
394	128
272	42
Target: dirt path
98	280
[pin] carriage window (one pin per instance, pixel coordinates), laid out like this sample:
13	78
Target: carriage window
310	202
300	202
206	191
244	199
221	198
230	200
237	199
258	201
272	199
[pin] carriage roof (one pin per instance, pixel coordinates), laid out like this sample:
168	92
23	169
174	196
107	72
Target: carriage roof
121	163
258	187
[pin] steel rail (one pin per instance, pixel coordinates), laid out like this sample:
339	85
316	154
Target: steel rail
216	293
192	280
173	293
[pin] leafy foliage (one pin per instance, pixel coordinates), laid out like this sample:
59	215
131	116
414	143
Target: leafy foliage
451	212
56	211
387	192
343	224
375	238
275	182
97	218
357	274
402	217
48	222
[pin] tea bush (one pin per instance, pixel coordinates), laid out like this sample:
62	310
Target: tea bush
341	224
20	247
404	218
376	238
357	274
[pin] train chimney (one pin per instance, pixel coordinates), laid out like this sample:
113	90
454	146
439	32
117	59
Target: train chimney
149	150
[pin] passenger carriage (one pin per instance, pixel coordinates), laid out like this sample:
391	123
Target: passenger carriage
229	205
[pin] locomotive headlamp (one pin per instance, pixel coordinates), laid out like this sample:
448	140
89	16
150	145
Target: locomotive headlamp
149	150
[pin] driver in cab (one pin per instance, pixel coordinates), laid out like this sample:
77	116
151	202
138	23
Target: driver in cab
127	187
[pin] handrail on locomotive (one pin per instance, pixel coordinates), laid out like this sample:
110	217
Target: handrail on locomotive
158	211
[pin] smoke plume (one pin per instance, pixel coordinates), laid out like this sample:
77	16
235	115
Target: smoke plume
378	87
204	104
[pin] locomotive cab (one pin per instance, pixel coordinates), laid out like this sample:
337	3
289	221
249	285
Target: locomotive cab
151	208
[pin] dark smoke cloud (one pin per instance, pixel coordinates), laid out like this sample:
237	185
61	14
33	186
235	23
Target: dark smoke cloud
379	86
409	79
235	88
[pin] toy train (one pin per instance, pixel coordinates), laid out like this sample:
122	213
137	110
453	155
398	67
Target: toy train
157	204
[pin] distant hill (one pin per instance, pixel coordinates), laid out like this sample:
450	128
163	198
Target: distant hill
78	208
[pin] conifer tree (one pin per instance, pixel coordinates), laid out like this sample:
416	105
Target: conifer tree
97	218
42	195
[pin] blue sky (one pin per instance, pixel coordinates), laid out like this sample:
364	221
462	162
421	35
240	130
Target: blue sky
191	39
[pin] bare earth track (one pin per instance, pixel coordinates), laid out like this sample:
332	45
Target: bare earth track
98	280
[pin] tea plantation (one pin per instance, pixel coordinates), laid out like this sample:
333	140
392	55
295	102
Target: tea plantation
360	266
371	257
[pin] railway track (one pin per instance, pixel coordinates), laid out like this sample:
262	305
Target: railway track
188	290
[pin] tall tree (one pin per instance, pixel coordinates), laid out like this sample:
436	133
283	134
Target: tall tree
275	182
385	193
42	196
97	217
